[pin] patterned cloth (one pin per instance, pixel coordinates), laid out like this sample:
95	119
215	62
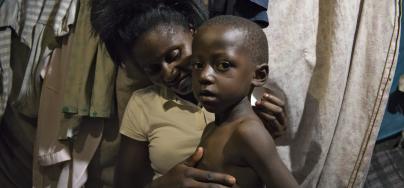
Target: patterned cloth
52	12
35	22
44	20
8	22
6	72
387	169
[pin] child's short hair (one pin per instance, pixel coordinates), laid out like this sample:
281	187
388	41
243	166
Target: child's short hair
254	39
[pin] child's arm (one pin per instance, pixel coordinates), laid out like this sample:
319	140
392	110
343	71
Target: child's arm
258	149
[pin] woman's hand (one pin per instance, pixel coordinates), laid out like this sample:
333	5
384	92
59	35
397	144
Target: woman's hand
186	175
271	110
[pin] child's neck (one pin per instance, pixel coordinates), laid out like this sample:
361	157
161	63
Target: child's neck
242	108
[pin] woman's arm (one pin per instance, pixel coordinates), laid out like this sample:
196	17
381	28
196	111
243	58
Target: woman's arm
133	164
133	170
185	175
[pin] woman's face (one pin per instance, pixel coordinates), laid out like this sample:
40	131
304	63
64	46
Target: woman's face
163	53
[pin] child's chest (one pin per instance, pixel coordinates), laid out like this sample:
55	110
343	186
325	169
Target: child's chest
222	154
219	148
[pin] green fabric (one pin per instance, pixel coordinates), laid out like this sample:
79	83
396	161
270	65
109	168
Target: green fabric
89	85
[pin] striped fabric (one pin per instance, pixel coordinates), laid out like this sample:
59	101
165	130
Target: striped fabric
8	21
29	19
6	72
39	18
30	11
9	14
52	12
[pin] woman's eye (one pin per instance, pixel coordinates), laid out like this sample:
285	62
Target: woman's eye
223	66
172	55
153	68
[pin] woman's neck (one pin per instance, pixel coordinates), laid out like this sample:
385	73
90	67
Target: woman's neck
242	108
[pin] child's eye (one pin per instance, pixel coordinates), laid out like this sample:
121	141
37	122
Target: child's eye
197	65
223	66
172	55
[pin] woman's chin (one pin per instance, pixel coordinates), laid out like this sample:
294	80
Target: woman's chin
184	90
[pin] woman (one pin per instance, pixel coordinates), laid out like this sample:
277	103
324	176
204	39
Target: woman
158	38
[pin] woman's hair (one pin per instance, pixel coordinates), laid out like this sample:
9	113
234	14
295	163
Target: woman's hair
119	23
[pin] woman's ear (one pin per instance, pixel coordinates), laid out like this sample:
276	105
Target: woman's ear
260	75
191	28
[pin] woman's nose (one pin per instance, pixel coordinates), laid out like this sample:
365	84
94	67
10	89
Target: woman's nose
168	72
184	61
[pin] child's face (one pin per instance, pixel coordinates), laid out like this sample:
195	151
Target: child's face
163	53
222	70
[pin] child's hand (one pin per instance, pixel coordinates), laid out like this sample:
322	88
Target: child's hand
271	111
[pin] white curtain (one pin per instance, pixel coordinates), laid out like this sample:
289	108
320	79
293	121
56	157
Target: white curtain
334	60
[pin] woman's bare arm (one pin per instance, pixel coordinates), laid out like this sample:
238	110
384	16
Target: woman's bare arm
133	170
133	164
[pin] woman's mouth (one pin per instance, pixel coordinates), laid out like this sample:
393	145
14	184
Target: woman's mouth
177	82
181	85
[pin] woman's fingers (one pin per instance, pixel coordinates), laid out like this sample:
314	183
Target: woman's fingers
207	177
194	158
273	99
275	128
191	183
274	110
203	178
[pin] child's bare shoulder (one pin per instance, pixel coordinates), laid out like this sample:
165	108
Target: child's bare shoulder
251	136
250	128
250	124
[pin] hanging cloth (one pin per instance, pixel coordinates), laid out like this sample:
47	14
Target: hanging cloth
255	10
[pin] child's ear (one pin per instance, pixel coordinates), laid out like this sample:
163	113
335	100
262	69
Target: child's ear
260	75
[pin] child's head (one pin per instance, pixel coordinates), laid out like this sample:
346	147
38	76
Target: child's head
229	59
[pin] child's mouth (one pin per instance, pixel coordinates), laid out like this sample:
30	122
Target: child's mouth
207	96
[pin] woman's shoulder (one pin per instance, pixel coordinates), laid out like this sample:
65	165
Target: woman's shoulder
146	94
147	91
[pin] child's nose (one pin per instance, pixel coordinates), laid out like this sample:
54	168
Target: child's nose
207	75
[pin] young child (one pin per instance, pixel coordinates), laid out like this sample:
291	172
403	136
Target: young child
229	58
